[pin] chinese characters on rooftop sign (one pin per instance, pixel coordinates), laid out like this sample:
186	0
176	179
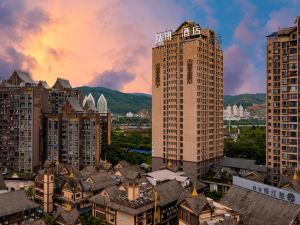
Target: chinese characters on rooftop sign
268	190
187	32
163	36
167	35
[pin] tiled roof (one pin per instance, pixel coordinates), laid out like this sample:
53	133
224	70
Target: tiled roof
197	204
101	181
283	31
24	76
44	84
259	209
63	83
129	173
243	164
168	192
14	202
74	103
67	217
121	203
89	107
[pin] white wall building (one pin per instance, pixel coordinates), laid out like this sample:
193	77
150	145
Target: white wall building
235	112
241	111
89	98
102	104
129	115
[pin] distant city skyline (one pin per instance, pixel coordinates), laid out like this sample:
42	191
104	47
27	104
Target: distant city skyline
108	43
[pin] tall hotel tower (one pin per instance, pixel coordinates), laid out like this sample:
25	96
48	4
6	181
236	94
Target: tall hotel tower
283	93
187	88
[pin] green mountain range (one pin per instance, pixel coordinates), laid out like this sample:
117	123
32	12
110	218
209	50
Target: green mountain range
245	99
121	103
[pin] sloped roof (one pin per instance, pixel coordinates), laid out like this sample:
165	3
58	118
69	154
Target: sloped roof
88	171
67	217
197	204
44	84
101	181
74	103
168	192
64	83
261	176
89	107
243	164
258	209
123	205
24	76
113	191
188	22
129	174
283	31
14	202
69	168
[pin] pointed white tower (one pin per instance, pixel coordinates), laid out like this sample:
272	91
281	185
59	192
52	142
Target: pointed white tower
102	104
89	98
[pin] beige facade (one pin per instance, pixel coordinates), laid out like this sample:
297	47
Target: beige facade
282	60
187	106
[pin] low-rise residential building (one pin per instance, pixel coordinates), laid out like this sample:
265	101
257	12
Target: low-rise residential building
138	203
63	217
16	208
241	167
196	209
62	185
116	206
262	204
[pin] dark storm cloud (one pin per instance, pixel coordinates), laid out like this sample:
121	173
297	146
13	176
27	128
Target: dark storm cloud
11	60
18	22
115	80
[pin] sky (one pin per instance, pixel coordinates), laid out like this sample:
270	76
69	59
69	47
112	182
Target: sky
108	42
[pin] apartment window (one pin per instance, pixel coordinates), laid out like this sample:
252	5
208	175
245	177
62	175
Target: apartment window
189	71
157	75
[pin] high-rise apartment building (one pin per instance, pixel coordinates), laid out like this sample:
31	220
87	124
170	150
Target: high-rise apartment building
73	134
283	93
59	93
187	92
38	123
20	123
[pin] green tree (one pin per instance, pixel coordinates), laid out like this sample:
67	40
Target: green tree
214	195
121	142
29	192
48	219
88	219
249	145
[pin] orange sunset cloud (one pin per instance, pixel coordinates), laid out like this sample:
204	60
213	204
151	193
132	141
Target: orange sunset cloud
95	42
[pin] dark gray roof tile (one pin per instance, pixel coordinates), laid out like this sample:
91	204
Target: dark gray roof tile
14	202
259	209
